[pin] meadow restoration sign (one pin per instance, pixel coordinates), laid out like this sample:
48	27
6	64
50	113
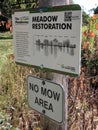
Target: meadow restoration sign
46	97
49	38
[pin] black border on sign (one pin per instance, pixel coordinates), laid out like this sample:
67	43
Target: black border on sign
63	98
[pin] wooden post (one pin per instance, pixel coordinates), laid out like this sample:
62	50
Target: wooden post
57	78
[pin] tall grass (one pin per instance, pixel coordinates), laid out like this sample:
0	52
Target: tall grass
12	76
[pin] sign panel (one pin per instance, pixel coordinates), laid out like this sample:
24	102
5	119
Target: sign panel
46	97
49	38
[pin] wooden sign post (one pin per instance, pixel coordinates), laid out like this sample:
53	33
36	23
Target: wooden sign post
57	78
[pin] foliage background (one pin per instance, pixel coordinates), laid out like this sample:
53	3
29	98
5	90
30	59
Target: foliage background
83	90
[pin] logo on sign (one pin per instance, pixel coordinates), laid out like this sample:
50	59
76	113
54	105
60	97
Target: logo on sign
22	20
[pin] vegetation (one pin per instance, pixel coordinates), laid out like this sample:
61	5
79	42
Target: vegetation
83	90
7	6
83	104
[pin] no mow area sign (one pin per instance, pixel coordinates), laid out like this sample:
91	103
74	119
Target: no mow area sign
46	97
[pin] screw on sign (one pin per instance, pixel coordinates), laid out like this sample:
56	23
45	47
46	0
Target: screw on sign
43	82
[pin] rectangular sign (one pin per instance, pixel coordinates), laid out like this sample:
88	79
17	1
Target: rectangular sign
49	38
46	97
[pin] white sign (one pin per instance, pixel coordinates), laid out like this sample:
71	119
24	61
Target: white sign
49	39
46	97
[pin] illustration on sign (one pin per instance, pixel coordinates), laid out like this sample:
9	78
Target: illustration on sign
46	97
53	46
51	39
